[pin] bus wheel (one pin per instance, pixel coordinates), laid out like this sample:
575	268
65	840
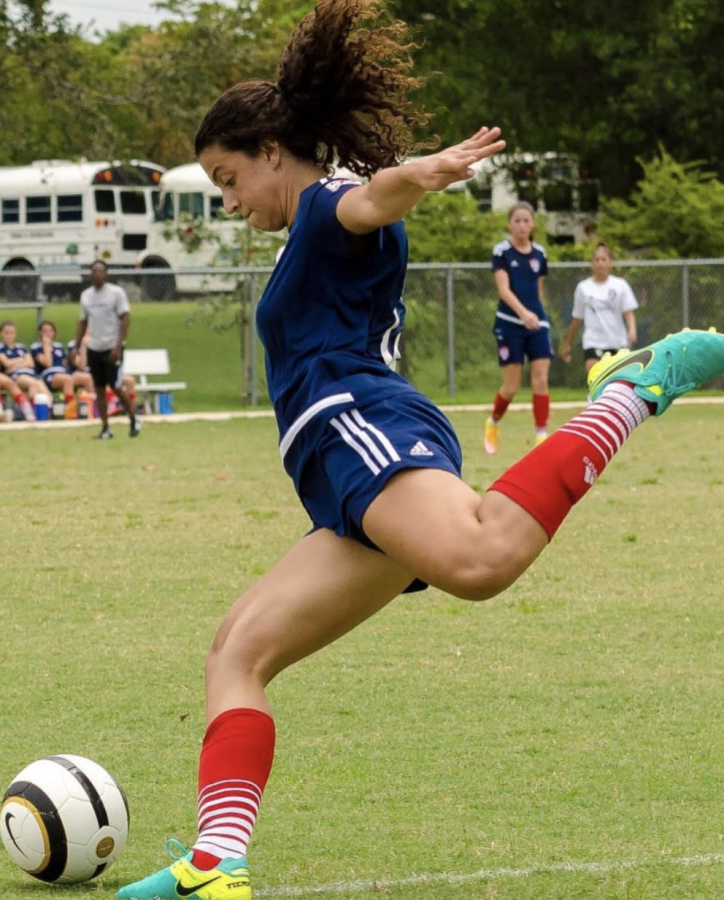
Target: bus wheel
158	286
21	286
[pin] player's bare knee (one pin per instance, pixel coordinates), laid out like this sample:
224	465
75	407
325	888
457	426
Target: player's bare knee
243	643
485	577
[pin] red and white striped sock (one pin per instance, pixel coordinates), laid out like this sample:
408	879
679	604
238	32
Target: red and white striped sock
549	480
236	758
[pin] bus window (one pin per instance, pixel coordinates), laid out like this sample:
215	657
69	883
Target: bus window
528	193
70	208
133	203
11	212
558	197
588	197
216	206
37	209
191	204
164	209
105	201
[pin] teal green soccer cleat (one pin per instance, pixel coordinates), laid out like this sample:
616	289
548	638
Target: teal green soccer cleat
230	880
665	370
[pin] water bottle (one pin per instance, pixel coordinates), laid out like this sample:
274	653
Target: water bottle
84	406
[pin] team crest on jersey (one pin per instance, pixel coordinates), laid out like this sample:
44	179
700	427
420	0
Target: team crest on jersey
504	353
334	186
535	264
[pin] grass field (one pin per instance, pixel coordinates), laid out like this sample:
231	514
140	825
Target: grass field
567	737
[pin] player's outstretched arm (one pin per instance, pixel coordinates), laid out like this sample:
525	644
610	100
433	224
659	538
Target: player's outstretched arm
390	193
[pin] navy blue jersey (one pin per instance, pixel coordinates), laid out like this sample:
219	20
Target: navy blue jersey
524	270
17	351
58	360
330	320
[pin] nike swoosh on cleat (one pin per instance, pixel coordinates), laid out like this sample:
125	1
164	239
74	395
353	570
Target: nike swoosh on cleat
184	890
642	357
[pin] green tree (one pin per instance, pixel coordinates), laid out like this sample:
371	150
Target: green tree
676	210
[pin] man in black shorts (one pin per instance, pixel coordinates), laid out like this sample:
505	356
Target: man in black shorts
105	314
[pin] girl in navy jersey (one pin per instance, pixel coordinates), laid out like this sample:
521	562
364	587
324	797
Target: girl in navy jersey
376	465
521	325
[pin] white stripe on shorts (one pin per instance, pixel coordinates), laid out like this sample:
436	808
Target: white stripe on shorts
350	441
383	439
358	432
309	413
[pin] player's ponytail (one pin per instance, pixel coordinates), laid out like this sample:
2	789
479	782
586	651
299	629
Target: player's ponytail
341	93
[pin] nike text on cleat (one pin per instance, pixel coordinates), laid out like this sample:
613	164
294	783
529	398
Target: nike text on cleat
491	438
665	370
228	881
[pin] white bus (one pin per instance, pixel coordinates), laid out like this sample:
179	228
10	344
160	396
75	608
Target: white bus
193	231
552	183
58	215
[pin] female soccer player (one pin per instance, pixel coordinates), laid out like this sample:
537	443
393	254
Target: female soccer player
521	326
51	362
17	364
375	464
604	304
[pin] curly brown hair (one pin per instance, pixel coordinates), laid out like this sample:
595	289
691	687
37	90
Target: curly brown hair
341	94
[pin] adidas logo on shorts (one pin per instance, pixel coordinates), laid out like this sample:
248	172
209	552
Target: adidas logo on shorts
421	450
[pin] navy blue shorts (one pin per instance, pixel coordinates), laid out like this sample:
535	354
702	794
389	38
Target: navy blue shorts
362	448
515	343
47	375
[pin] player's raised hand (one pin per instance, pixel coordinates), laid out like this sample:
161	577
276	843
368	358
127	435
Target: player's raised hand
438	170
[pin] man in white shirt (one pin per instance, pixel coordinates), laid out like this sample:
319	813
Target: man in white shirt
105	314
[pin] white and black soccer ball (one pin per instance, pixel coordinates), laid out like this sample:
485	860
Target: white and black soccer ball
64	819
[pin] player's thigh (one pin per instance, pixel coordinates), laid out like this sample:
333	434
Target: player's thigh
539	371
436	526
512	375
321	589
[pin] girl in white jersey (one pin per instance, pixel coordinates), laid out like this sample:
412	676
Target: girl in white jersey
375	464
605	305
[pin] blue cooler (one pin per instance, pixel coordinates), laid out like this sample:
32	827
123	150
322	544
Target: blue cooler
165	404
42	407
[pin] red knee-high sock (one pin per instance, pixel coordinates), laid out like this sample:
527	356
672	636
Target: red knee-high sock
236	758
541	410
499	406
554	476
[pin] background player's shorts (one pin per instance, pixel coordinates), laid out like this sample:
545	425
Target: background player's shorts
596	353
104	372
22	371
516	343
362	448
47	375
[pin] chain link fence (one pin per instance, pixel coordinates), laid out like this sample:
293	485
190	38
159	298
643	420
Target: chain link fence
448	344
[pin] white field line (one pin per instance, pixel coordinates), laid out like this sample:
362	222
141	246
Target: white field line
430	878
175	418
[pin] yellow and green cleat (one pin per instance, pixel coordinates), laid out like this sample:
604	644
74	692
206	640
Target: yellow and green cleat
665	370
230	880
